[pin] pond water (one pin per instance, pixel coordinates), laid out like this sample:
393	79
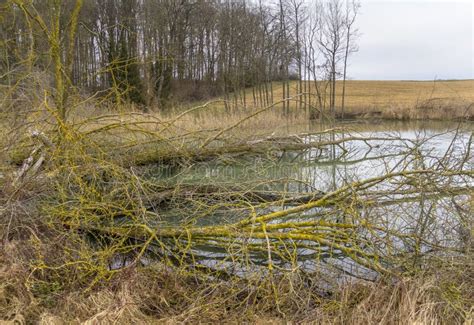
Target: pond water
329	167
365	150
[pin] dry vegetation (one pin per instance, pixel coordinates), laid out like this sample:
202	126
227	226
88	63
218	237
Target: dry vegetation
60	238
397	100
366	100
412	99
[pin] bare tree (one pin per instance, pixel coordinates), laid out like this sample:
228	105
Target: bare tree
331	44
351	11
299	16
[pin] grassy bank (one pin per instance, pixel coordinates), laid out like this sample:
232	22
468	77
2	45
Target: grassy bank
139	295
85	238
365	100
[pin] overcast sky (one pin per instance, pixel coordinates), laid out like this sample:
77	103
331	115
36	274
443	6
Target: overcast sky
414	40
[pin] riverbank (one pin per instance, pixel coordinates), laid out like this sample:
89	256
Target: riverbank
90	237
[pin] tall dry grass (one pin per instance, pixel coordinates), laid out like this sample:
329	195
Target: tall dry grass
440	295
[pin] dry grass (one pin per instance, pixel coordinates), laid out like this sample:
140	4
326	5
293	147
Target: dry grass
154	294
400	100
411	99
208	116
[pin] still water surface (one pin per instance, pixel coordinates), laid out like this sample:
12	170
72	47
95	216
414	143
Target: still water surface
389	147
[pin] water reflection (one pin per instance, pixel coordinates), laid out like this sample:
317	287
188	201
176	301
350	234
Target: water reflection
415	214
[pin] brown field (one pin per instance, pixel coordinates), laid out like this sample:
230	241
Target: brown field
410	99
400	100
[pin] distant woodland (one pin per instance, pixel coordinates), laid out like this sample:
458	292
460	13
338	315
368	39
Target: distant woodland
161	52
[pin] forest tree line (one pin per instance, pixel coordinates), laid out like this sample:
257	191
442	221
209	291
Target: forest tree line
159	52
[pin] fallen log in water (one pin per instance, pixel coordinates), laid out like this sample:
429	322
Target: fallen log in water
213	193
97	194
283	233
222	193
194	153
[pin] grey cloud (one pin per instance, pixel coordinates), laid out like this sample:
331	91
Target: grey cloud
414	40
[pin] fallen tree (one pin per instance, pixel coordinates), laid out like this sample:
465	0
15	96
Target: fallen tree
109	216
